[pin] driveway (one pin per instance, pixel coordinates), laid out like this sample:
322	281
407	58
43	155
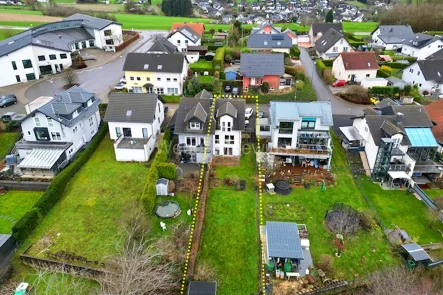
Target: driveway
98	79
323	91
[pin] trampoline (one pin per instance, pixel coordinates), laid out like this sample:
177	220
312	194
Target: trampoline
342	219
167	209
282	187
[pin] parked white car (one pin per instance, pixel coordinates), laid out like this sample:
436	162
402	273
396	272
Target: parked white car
120	86
248	113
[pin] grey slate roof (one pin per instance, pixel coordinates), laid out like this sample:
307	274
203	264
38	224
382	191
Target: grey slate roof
413	115
432	69
387	102
153	62
436	55
395	34
186	106
391	129
91	21
283	240
420	40
162	44
62	39
327	40
188	32
197	112
232	107
202	288
257	65
66	103
131	107
324	27
204	94
269	41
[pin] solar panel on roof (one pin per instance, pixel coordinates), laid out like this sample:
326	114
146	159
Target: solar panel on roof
277	37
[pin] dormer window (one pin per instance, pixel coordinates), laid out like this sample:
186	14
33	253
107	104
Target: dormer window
194	125
75	114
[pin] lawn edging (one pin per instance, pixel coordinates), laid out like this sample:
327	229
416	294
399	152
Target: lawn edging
24	227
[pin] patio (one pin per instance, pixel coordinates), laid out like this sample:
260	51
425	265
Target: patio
298	175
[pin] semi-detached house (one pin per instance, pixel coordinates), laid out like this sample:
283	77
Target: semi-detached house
155	73
427	74
55	129
184	35
134	122
331	44
46	49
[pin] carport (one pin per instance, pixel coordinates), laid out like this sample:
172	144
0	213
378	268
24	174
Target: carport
399	175
353	136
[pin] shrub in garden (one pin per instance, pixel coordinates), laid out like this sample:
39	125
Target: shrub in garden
228	58
325	263
327	76
264	87
386	69
167	170
24	227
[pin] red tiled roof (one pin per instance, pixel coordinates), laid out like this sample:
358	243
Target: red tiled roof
198	28
435	112
359	60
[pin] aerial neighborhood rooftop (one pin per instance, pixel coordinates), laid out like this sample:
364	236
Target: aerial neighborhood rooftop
221	147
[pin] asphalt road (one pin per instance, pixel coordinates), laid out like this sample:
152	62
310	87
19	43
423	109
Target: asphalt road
323	91
98	80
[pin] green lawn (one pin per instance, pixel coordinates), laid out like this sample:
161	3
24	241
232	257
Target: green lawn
20	24
359	27
13	206
205	79
372	245
7	141
88	219
434	193
202	65
5	33
20	11
405	211
153	22
230	238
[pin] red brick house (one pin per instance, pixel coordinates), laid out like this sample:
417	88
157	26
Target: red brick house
257	68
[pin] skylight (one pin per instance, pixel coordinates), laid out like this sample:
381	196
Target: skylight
369	64
159	67
438	73
128	113
146	66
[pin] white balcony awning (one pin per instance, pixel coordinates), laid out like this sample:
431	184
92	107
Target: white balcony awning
41	159
351	133
399	174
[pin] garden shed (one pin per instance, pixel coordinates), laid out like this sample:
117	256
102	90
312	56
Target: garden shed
162	187
231	72
416	253
202	288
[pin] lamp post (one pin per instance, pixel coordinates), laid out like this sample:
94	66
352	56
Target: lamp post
52	87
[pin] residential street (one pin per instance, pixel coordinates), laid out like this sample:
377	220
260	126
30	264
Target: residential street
96	79
322	90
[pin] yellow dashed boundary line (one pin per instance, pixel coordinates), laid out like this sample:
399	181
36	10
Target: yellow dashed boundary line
199	189
197	200
260	195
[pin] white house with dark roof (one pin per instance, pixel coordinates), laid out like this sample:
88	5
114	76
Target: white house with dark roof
391	37
397	141
331	44
191	125
427	74
421	45
155	73
274	42
317	30
184	37
46	49
134	122
299	131
55	130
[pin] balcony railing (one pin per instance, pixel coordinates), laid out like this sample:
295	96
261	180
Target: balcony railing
313	134
193	149
303	149
285	131
428	167
398	167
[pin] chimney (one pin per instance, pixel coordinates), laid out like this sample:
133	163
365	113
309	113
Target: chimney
399	118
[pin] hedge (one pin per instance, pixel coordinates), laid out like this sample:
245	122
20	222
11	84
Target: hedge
219	58
397	65
167	170
381	74
320	67
290	70
410	59
328	62
294	52
356	43
55	190
383	90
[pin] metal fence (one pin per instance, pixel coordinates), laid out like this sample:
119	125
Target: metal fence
24	185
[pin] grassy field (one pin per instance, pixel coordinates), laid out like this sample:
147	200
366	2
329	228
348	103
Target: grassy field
7	141
89	218
405	211
205	79
366	252
13	206
153	22
434	193
359	27
20	24
20	11
230	238
202	64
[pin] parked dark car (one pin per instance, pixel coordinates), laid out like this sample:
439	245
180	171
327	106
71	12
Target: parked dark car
7	100
165	110
228	88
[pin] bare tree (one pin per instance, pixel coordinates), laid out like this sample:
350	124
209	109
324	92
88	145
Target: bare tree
139	267
69	76
50	282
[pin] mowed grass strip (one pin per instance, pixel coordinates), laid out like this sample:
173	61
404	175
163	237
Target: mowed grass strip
7	140
13	205
89	218
230	237
24	24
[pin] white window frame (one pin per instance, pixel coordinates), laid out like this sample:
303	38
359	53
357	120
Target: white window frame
37	122
50	122
194	125
91	121
55	135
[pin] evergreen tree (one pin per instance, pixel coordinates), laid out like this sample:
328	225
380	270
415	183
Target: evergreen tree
177	7
330	16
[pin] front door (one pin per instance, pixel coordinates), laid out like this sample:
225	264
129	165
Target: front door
45	70
61	67
127	132
352	78
227	151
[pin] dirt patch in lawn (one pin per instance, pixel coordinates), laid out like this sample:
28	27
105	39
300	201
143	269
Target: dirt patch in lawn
13	17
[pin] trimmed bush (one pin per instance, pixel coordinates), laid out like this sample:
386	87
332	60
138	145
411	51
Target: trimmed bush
55	191
219	58
294	52
381	90
386	70
300	76
150	191
328	62
167	170
320	67
290	70
396	65
264	87
381	74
